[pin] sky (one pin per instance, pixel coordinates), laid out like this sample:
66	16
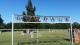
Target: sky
43	8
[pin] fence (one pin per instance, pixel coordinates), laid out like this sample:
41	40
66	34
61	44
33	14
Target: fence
42	37
5	36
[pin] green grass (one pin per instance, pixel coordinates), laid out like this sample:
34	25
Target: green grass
59	37
5	38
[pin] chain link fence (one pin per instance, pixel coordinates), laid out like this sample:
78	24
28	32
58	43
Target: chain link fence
5	36
42	37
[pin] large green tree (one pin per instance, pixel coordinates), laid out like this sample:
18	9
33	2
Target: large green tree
28	16
30	11
1	23
76	25
1	20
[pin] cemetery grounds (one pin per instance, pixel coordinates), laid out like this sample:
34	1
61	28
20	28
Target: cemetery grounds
43	37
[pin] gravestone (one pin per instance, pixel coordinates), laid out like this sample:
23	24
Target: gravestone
28	31
22	33
0	32
49	30
31	34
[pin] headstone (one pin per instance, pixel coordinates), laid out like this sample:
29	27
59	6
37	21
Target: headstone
52	30
49	30
31	34
0	32
22	33
27	31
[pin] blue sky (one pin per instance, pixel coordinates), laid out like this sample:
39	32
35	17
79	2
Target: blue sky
43	8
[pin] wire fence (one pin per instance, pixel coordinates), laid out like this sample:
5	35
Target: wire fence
36	37
41	37
5	36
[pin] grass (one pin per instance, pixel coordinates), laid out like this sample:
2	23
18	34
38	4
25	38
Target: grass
5	38
57	37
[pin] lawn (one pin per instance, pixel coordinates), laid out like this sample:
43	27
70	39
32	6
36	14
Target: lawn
5	38
43	37
55	37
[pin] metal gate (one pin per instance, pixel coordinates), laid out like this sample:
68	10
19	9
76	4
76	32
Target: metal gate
42	37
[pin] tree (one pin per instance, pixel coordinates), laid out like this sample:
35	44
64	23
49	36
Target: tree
1	23
1	20
8	26
30	11
76	25
28	16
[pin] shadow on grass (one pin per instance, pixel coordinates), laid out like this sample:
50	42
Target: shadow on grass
35	42
67	39
3	42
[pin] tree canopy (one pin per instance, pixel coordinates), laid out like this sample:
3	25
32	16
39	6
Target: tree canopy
1	20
